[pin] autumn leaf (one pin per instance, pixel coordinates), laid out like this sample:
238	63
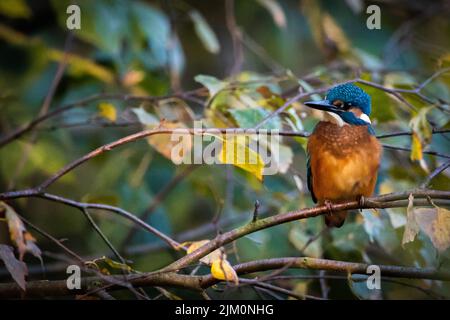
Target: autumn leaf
132	78
416	148
411	228
236	151
116	265
23	240
420	137
221	269
164	144
17	269
434	222
107	111
208	259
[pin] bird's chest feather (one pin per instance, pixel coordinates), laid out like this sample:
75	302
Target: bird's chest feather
344	161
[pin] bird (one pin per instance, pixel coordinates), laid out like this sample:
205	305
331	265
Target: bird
343	153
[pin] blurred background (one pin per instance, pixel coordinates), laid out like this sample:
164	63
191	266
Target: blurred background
263	51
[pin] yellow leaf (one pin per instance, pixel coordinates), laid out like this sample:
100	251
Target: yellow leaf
107	111
23	240
16	228
117	265
221	269
195	245
79	65
210	258
416	148
235	150
301	288
164	145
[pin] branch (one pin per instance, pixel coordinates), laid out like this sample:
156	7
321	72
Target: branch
385	201
436	172
199	283
31	193
396	92
17	133
150	132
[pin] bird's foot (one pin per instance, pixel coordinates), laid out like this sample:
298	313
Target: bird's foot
361	202
329	206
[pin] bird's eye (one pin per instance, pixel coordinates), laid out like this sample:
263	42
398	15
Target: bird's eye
338	103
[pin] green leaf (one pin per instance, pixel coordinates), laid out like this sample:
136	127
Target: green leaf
104	23
213	84
145	118
379	228
204	32
300	239
275	10
248	118
383	105
350	237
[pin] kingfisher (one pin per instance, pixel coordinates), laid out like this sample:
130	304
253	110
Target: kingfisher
343	152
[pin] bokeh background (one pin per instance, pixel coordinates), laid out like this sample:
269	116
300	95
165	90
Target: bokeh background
158	48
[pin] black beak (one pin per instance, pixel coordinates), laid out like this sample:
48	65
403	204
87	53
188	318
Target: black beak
324	105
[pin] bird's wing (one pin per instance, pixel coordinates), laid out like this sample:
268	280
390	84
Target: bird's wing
309	178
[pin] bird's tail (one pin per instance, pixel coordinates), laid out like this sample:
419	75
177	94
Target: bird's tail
335	219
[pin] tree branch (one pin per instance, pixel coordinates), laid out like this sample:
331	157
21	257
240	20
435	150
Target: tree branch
199	283
385	201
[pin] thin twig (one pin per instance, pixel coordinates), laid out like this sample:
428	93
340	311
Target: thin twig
435	173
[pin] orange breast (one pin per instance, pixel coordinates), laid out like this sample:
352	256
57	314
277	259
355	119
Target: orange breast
344	161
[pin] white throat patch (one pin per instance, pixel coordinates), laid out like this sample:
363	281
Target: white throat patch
365	118
334	118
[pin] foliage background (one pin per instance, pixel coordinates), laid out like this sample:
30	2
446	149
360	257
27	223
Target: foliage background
157	48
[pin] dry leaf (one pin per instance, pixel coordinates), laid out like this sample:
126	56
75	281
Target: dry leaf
221	269
210	258
23	240
17	269
164	145
411	228
132	78
434	222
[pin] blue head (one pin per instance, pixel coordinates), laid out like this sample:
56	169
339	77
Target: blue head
347	101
